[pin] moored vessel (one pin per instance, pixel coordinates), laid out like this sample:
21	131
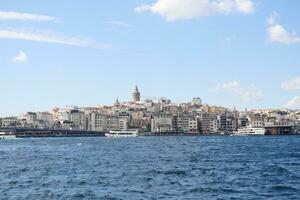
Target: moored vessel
4	135
121	134
250	131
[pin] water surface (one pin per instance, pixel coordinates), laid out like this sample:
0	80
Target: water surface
151	168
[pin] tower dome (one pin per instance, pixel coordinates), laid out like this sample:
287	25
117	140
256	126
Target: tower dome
117	103
136	95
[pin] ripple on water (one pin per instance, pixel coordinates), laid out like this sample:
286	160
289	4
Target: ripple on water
284	188
151	168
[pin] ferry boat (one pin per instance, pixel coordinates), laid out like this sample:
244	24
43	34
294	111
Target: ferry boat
4	135
122	134
250	131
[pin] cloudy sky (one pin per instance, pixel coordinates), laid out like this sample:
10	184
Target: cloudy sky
242	53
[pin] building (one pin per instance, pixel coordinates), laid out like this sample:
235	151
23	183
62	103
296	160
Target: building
193	126
31	118
197	101
77	117
46	117
123	123
161	123
232	124
209	124
63	115
213	125
137	119
105	122
113	123
9	121
136	95
222	122
227	123
98	122
183	123
243	121
257	120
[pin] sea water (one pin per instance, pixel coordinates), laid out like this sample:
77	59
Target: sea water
151	168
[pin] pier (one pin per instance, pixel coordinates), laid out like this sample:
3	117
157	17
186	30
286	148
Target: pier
279	130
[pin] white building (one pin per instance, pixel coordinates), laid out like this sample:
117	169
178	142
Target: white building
98	122
63	115
9	121
113	123
257	120
123	123
193	126
161	123
31	118
47	117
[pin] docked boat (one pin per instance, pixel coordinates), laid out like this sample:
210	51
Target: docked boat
250	131
4	135
121	134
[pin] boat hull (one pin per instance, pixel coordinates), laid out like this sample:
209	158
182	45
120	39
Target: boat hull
5	137
250	132
122	134
119	136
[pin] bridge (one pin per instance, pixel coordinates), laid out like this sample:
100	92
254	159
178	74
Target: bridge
35	132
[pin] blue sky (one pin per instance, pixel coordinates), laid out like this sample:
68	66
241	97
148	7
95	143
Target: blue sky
86	53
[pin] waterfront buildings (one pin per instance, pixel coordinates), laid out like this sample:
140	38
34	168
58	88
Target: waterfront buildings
159	115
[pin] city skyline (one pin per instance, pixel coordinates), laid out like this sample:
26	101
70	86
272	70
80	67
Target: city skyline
139	99
243	54
158	116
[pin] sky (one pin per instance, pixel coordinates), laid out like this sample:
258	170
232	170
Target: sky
242	53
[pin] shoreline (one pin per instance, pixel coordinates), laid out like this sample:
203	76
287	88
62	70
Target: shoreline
56	133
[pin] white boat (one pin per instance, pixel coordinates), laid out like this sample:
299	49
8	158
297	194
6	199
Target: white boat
122	134
250	131
4	135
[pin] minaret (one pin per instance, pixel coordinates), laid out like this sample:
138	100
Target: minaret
136	95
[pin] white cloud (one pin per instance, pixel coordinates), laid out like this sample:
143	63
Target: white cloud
245	6
24	16
292	84
119	23
278	34
246	94
33	35
173	10
233	86
294	103
20	57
